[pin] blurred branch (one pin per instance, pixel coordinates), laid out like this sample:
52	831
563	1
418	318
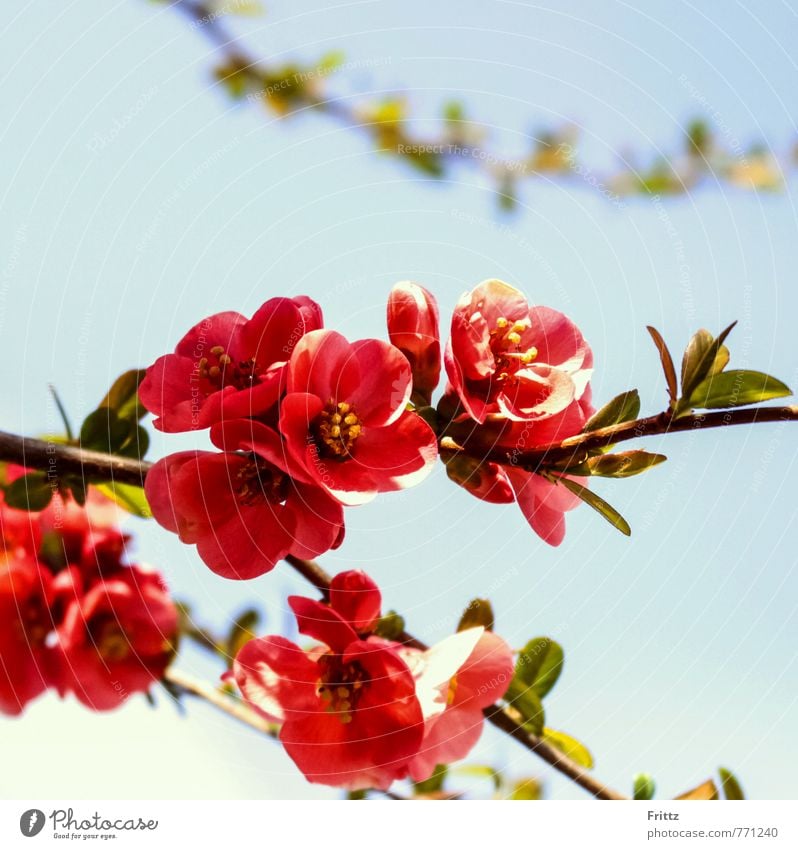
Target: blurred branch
291	88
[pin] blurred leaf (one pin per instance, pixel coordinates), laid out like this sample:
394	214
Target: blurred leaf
597	503
528	704
478	612
123	396
104	430
623	464
241	632
705	361
130	498
539	664
527	790
390	626
699	138
508	194
356	795
433	784
643	786
332	60
730	785
623	408
30	492
667	363
704	792
453	111
736	388
480	771
569	746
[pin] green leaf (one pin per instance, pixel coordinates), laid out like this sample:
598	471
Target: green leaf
731	786
433	784
123	396
597	503
29	492
700	343
736	388
539	665
643	787
667	363
569	746
390	626
478	612
623	408
130	498
527	702
705	363
241	632
623	464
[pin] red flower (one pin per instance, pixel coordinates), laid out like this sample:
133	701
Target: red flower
117	639
227	366
344	417
25	659
413	329
349	713
243	511
451	732
543	503
505	357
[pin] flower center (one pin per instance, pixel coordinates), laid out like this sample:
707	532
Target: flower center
336	429
258	479
219	370
340	686
110	639
506	347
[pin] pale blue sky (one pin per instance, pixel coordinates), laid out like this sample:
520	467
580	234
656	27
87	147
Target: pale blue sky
680	641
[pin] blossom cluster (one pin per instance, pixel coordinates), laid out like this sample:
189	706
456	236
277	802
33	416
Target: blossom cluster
307	423
75	617
360	711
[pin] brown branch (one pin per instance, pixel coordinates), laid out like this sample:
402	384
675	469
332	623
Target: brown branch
232	707
58	460
574	447
552	154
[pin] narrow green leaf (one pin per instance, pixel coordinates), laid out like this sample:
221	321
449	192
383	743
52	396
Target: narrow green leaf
478	612
241	632
623	408
569	746
539	665
731	786
61	412
123	398
643	787
667	363
597	503
736	388
623	464
706	363
130	498
30	492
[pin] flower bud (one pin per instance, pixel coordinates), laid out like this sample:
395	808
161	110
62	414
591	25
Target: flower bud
413	329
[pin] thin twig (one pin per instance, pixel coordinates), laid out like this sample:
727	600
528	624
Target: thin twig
232	707
58	460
